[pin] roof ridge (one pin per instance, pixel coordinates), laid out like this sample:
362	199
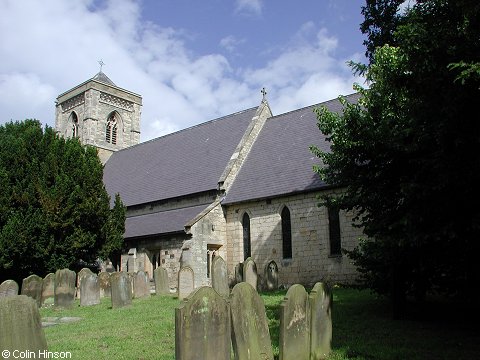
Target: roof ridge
187	128
308	106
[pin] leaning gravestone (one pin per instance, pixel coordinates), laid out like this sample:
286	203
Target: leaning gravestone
220	276
8	288
64	288
186	282
89	290
104	283
250	334
160	276
131	277
202	327
250	272
20	326
48	290
141	288
321	321
80	275
121	289
32	286
271	276
295	324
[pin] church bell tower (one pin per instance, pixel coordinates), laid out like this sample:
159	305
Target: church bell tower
101	114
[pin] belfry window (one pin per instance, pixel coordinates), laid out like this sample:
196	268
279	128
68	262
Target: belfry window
74	121
111	130
247	252
286	233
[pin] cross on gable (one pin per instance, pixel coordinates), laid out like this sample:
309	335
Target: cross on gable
264	93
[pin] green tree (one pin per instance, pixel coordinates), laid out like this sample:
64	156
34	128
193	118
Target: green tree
54	209
407	153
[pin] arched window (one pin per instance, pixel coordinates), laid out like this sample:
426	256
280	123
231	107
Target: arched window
334	231
111	129
286	233
246	236
74	123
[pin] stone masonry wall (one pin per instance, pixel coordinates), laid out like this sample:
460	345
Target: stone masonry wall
311	260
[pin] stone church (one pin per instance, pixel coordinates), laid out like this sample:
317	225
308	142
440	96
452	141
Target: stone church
238	186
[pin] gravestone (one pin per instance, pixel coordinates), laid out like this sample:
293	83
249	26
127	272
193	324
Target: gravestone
131	278
202	327
295	324
32	286
121	289
142	288
250	272
89	290
64	288
48	290
20	326
320	299
238	273
160	276
220	276
8	288
271	276
186	282
80	275
104	283
250	334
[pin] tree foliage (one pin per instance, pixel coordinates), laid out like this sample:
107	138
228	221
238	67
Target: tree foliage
54	209
407	153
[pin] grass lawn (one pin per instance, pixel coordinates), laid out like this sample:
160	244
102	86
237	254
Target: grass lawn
362	330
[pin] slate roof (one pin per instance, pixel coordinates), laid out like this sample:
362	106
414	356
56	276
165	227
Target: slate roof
103	78
161	222
185	162
280	162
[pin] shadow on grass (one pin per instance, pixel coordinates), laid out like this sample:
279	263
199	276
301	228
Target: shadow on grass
363	329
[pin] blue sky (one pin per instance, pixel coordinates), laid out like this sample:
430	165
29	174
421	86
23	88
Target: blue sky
191	61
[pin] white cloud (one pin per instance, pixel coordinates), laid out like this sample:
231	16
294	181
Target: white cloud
249	7
230	43
50	46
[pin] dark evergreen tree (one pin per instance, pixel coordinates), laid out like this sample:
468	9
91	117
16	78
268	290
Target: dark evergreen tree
54	209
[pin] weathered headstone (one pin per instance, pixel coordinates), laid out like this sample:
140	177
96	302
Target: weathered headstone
271	276
250	272
131	278
142	288
121	289
186	282
238	273
83	272
8	288
104	283
89	290
20	326
295	324
64	288
160	276
320	299
250	334
220	276
32	286
48	290
202	327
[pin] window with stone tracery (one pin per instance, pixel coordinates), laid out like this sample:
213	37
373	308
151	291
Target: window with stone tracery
111	130
74	123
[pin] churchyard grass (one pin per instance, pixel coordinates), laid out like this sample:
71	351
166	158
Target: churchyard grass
362	330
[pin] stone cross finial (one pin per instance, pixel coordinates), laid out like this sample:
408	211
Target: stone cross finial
264	93
101	64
